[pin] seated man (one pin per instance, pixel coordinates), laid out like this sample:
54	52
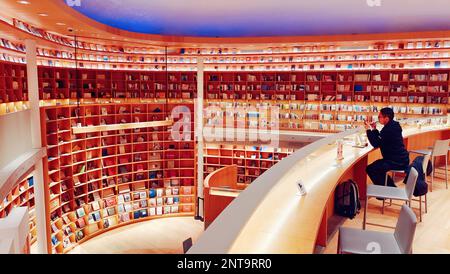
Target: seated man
390	142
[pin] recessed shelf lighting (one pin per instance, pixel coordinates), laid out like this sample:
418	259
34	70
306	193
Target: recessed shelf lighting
24	2
43	14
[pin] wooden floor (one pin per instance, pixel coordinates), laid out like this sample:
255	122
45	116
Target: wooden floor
432	235
156	236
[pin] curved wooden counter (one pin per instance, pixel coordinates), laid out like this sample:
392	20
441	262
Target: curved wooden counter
270	217
220	189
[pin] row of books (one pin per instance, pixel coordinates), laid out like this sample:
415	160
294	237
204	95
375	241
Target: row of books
175	60
12	58
338	88
230	109
212	67
84	227
230	60
280	97
151	197
237	60
242	60
150	60
274	87
85	57
102	48
324	48
14	46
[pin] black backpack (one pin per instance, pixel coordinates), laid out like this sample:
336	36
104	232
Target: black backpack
346	199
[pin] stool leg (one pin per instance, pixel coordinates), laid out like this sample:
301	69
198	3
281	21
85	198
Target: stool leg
393	179
339	244
420	209
432	173
426	204
446	172
365	212
385	184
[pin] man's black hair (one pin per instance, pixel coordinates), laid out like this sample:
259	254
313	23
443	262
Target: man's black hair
387	112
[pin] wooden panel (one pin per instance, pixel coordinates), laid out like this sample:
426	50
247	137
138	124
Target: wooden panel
224	177
214	204
322	234
15	135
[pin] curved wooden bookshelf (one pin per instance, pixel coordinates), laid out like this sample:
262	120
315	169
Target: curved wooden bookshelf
98	181
373	54
327	101
397	45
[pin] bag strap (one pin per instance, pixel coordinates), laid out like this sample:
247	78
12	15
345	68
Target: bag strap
358	202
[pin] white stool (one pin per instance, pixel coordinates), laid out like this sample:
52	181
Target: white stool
351	240
393	172
440	148
386	192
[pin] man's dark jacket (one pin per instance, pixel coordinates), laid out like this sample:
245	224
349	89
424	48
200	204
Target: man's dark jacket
390	142
421	185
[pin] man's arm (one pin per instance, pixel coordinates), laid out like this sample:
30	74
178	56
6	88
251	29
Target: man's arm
374	137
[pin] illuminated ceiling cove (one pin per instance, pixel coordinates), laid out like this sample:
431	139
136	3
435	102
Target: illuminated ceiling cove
256	18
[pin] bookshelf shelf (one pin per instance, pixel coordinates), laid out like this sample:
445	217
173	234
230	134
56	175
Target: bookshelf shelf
22	195
91	129
13	87
328	108
219	155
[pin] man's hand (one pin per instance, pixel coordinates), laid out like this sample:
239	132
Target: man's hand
370	126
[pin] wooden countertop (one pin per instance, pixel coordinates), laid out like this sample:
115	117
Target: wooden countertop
215	191
270	216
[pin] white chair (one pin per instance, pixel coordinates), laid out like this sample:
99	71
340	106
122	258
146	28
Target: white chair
393	172
426	158
440	148
386	192
351	240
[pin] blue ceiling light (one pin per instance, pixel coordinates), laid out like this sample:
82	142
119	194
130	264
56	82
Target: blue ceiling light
253	18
